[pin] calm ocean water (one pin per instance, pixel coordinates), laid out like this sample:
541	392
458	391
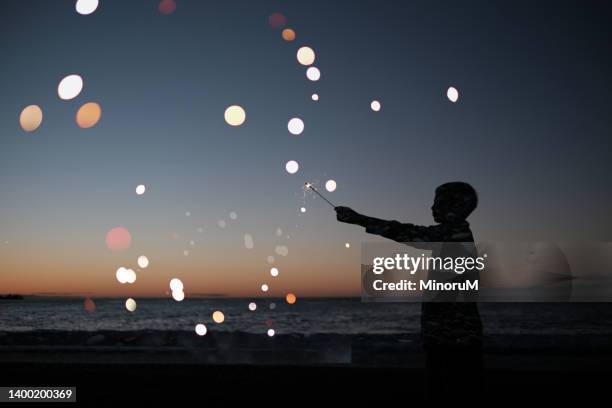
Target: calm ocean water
307	316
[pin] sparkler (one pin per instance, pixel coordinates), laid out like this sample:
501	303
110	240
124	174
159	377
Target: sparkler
309	186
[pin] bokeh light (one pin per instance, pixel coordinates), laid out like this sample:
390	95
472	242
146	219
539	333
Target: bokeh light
140	189
176	285
167	7
272	306
281	250
264	287
270	259
143	261
375	105
291	298
292	167
452	94
248	241
130	305
222	223
274	272
271	332
118	239
218	317
121	275
89	305
331	185
315	97
306	56
235	115
252	306
130	276
233	215
200	329
347	245
277	20
70	87
295	126
178	295
30	118
313	73
288	34
86	7
303	209
88	115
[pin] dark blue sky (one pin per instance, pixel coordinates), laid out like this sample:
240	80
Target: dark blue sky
531	130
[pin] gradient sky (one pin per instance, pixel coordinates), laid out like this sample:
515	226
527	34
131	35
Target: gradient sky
531	132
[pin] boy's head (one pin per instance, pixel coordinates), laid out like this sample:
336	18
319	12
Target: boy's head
454	202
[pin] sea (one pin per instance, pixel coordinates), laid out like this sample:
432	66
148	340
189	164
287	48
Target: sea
306	316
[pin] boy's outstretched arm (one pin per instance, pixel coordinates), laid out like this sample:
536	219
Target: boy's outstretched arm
397	231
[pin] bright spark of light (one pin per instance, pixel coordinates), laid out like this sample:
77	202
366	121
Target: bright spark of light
306	56
315	97
292	167
348	245
271	332
70	87
252	306
143	261
264	287
140	189
303	209
288	34
178	295
313	74
375	105
130	276
274	272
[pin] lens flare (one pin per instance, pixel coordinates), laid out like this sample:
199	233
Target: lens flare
375	105
291	298
176	285
271	332
315	97
252	306
274	272
30	118
264	287
178	295
140	189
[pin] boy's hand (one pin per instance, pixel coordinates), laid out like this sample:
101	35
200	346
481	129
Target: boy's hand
346	214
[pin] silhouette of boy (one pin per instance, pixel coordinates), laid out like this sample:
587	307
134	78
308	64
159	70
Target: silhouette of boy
451	331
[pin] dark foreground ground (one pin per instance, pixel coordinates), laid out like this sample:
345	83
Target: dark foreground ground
227	368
